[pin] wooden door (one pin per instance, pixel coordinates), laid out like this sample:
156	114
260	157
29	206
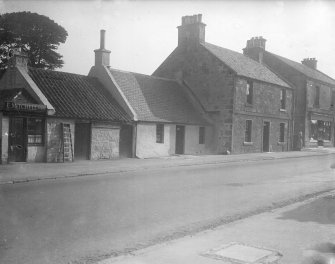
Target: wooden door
17	139
82	141
180	139
266	136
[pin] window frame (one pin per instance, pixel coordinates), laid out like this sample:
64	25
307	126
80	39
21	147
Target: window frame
160	133
248	131
34	133
282	128
283	99
202	134
249	92
317	97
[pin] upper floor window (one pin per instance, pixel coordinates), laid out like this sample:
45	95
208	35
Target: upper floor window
159	133
317	97
332	102
282	132
201	135
282	99
249	92
248	127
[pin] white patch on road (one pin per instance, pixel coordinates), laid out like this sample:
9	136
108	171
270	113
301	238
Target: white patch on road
240	253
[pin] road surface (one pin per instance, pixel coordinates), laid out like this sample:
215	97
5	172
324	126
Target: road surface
79	220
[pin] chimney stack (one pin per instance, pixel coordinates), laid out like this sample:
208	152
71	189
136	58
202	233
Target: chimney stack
192	31
18	59
310	62
102	56
255	48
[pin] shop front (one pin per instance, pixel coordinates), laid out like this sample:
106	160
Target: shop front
320	130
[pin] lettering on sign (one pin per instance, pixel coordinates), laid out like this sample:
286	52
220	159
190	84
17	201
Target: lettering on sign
25	107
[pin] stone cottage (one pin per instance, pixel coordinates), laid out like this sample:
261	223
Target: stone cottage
250	105
167	118
51	116
314	95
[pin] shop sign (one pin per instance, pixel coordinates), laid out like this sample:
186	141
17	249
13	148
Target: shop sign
11	106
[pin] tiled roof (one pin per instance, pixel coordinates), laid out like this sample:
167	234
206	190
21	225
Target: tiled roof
77	96
244	66
157	99
311	73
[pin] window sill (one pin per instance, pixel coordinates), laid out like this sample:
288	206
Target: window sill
313	141
282	110
281	143
248	143
35	145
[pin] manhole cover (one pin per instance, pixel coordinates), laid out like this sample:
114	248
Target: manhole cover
239	253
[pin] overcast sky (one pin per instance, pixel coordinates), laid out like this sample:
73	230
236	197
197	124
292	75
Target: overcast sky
141	34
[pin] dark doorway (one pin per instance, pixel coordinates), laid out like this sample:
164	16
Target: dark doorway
266	136
180	139
82	141
126	141
17	139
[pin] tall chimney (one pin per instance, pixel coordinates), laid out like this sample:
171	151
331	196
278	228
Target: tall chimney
310	62
102	56
18	59
255	48
192	31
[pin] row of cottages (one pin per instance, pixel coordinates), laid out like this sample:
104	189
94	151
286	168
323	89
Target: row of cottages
51	116
251	107
203	99
314	95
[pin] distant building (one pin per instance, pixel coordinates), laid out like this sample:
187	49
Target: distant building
314	93
51	116
250	105
166	117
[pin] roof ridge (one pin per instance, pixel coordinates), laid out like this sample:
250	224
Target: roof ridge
62	72
301	64
146	75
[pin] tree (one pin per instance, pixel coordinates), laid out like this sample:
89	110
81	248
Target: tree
37	35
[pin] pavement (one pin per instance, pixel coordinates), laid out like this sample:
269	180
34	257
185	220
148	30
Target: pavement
25	172
290	235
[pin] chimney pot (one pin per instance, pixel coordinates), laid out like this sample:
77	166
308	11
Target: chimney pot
102	38
310	62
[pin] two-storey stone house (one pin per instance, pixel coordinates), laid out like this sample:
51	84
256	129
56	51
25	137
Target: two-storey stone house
314	91
249	104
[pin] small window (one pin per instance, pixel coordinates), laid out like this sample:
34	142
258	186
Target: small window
249	92
248	127
201	135
35	131
332	103
317	97
282	99
282	132
159	133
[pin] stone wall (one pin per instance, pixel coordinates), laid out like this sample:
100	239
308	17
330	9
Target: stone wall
53	139
213	84
239	144
105	141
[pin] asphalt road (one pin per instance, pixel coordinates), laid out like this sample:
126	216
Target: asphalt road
77	220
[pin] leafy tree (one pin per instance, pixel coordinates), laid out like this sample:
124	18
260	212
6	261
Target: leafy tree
37	35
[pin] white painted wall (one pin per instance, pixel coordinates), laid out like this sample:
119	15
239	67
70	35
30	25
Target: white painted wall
146	146
4	138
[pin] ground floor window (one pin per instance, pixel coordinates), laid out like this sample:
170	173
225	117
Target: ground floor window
159	133
35	131
282	132
248	128
320	130
201	135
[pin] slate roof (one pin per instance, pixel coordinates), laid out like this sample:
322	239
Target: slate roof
77	96
156	99
307	71
244	66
